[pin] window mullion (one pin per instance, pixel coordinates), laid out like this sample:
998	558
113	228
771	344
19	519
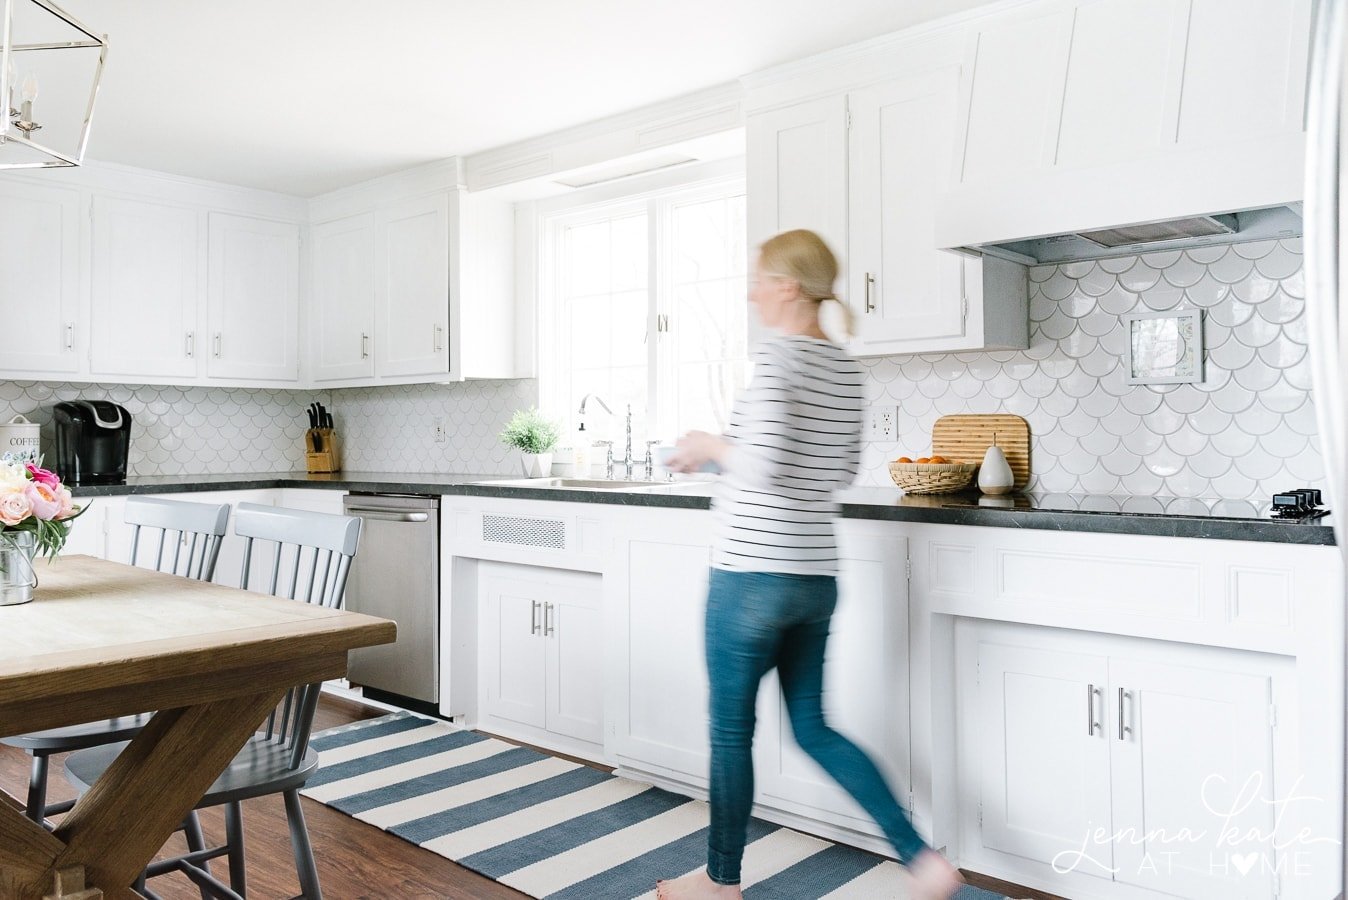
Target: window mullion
655	233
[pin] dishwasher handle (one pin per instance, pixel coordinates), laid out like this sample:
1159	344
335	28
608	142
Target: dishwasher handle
384	515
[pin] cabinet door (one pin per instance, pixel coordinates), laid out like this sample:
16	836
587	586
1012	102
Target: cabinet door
39	293
411	257
254	291
145	290
903	288
1192	748
796	167
865	686
661	718
342	299
513	654
574	627
1042	776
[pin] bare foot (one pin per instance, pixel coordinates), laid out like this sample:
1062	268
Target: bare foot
696	886
932	877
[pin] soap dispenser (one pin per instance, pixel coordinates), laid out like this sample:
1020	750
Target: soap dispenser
581	450
995	475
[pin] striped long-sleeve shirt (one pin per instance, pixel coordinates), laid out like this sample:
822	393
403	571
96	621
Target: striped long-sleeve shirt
795	436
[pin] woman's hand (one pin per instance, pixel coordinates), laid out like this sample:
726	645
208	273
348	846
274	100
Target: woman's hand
695	449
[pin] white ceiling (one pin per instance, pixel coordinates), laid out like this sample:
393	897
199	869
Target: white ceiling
303	96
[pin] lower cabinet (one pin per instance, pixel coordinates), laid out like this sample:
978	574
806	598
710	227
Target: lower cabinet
658	601
865	685
541	653
1135	761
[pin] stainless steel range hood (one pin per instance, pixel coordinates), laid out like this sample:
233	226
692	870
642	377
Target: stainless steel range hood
1272	222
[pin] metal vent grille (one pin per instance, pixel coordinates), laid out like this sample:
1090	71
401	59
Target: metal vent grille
1153	232
525	532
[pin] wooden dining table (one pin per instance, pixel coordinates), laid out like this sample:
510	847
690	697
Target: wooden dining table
103	639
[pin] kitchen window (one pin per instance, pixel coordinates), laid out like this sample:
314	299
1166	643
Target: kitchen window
644	304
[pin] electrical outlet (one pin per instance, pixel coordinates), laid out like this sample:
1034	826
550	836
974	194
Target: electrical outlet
882	423
441	434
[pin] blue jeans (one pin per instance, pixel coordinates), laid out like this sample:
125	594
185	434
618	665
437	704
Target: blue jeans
757	621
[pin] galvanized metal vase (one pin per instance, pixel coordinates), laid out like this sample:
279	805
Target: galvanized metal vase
17	575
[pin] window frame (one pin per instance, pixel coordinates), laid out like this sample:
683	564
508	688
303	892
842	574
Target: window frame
656	196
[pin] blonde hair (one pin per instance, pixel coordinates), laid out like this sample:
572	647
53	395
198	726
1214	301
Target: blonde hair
803	257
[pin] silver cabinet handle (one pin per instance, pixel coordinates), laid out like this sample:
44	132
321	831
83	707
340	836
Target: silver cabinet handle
1091	724
533	617
191	344
547	619
364	346
1123	729
219	342
70	335
439	335
384	515
870	282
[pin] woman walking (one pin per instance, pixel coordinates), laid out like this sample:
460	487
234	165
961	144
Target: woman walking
794	438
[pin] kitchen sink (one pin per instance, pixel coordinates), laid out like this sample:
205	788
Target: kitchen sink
583	484
604	484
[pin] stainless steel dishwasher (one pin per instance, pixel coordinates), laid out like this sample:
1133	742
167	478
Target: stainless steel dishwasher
396	575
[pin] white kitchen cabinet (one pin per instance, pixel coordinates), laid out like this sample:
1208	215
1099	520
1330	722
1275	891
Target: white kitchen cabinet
1192	746
411	287
342	299
909	296
541	664
660	721
146	264
866	685
253	278
39	294
1069	738
866	169
1043	750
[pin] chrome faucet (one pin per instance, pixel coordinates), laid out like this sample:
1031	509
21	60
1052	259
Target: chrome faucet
627	459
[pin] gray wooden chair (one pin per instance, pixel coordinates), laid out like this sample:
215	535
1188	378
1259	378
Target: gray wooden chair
291	553
182	538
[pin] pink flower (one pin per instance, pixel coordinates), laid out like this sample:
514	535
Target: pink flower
46	503
14	507
68	507
43	476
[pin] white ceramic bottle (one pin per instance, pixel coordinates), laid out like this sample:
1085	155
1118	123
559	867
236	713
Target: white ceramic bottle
994	475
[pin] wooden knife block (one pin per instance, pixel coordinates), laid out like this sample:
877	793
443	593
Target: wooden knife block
329	458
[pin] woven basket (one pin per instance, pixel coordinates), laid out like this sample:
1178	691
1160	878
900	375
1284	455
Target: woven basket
932	478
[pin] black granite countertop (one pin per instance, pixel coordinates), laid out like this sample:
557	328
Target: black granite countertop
1158	516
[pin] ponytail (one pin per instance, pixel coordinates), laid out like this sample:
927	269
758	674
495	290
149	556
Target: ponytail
840	324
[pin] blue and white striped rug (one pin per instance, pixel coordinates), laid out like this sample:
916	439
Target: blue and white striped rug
559	830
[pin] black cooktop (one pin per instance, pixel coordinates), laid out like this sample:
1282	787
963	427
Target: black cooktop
1188	507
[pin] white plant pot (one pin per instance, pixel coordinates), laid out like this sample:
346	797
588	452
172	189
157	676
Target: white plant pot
535	465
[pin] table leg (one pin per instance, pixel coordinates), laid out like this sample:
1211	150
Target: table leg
123	820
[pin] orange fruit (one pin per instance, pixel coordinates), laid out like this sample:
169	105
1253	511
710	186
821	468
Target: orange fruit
903	459
923	461
940	459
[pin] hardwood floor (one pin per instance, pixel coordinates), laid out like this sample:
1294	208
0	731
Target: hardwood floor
355	861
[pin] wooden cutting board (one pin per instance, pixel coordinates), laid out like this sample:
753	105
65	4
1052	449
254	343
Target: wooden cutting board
967	438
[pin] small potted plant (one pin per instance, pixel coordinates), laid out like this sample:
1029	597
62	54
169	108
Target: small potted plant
36	513
535	437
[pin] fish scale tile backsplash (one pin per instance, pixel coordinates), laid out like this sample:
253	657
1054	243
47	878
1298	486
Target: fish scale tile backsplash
1246	431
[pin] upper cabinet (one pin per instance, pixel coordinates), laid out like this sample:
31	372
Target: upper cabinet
253	299
865	166
341	314
146	264
413	282
1088	114
39	294
411	287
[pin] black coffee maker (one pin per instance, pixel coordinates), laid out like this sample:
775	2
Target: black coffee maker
92	441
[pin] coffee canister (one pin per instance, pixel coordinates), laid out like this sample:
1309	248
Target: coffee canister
19	441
